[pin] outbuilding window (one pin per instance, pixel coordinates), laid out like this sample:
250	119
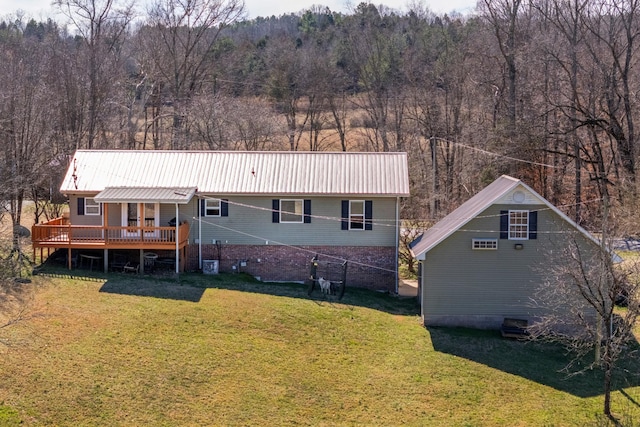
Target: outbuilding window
484	244
518	224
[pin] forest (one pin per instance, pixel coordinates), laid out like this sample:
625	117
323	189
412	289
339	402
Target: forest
544	90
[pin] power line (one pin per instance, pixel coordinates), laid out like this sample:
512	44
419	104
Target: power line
391	222
380	222
298	248
515	159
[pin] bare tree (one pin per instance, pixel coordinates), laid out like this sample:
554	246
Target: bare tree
615	27
255	127
375	50
503	17
180	38
25	124
284	83
102	26
224	123
579	295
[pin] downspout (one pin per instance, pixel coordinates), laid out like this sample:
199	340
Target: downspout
104	207
397	242
177	240
199	233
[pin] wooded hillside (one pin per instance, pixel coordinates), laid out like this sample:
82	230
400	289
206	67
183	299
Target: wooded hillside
545	90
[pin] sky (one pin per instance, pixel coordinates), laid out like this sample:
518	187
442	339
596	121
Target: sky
42	9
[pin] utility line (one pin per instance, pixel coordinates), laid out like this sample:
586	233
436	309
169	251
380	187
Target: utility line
298	248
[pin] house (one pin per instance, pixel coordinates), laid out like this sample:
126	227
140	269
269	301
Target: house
264	213
480	264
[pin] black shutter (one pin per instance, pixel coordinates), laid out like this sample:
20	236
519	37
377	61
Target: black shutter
504	224
275	210
345	215
307	211
224	207
368	215
203	208
533	225
80	205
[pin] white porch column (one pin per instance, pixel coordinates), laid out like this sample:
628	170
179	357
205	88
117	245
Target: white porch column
397	242
199	234
177	237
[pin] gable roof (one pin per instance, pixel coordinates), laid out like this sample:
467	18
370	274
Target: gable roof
241	172
476	205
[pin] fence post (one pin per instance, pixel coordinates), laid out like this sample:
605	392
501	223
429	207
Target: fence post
313	273
314	268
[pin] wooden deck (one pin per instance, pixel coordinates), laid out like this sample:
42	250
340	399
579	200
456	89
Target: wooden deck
57	234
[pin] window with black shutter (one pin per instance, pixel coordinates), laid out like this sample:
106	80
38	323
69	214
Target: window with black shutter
214	207
357	215
518	225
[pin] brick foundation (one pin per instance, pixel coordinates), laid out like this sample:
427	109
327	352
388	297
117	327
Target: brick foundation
282	263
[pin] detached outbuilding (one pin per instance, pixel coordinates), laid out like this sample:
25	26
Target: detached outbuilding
484	261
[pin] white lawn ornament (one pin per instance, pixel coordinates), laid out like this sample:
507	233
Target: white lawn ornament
325	285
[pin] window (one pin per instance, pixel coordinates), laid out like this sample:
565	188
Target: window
484	244
91	207
356	214
518	225
212	207
291	211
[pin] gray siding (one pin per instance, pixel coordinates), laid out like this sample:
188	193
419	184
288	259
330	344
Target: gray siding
115	214
469	287
250	226
76	219
187	213
246	225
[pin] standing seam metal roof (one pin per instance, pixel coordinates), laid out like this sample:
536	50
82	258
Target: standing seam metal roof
241	172
145	195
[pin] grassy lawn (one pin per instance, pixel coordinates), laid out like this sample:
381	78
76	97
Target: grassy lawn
222	350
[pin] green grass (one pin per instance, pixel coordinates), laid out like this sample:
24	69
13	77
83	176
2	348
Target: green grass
9	416
225	350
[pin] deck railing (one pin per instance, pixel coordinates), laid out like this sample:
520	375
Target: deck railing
57	233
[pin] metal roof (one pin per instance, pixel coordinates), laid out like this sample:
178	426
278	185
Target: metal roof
241	172
473	207
145	195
